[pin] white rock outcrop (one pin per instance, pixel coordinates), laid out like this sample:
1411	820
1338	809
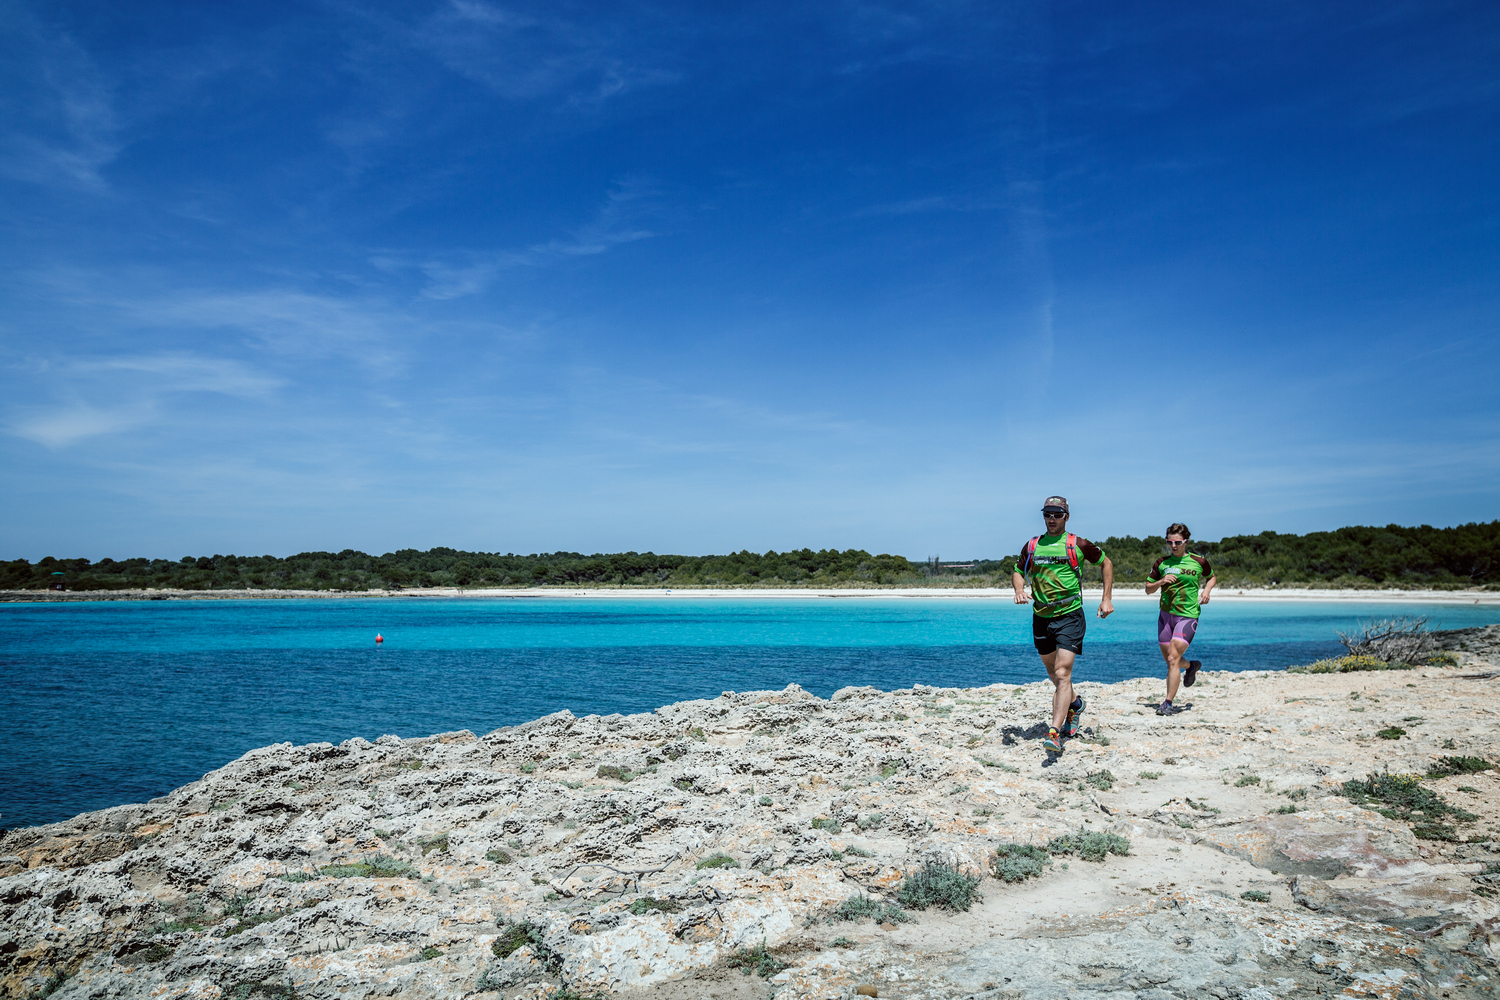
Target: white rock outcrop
664	852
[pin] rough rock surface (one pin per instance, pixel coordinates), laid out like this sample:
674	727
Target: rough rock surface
594	831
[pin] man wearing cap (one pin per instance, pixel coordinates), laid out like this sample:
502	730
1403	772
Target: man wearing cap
1053	564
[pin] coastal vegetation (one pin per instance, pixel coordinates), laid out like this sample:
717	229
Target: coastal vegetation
1393	556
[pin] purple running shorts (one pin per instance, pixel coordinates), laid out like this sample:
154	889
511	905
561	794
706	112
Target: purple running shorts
1169	627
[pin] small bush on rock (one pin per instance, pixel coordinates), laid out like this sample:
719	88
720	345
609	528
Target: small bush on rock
939	884
757	960
1347	664
515	935
1089	846
380	866
1102	780
718	860
1446	766
646	904
1018	862
1403	797
864	908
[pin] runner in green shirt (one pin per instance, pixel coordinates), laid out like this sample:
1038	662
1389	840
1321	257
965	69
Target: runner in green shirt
1053	563
1185	581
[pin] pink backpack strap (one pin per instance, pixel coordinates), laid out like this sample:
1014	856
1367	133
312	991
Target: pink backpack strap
1073	551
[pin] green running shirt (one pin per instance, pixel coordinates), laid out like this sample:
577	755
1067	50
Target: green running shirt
1181	598
1056	587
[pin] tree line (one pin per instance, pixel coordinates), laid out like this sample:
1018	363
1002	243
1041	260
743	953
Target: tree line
1464	556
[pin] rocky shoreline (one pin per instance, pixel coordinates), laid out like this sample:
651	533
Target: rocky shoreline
680	852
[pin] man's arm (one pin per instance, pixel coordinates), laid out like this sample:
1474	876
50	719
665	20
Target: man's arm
1107	606
1019	582
1207	589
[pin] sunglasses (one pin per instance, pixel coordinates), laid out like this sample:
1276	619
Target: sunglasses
1175	544
1052	514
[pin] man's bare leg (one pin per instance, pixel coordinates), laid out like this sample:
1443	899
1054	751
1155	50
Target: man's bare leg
1059	664
1173	652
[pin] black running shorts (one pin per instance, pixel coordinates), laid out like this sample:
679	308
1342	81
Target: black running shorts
1063	632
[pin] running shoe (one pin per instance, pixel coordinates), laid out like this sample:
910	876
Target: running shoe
1192	672
1070	726
1166	708
1053	742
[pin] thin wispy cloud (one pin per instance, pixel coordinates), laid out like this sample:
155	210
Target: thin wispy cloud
614	224
62	127
530	54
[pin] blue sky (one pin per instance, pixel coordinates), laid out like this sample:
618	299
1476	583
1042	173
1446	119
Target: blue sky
696	277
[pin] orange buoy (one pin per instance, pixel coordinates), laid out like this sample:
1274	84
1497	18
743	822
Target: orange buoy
379	637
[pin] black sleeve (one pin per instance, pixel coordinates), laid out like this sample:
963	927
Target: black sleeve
1208	570
1155	572
1091	553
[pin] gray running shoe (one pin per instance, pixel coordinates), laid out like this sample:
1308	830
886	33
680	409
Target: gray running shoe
1192	672
1166	708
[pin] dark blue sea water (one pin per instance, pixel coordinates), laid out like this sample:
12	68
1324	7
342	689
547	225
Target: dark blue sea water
112	702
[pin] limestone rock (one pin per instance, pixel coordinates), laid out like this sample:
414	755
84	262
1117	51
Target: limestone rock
370	869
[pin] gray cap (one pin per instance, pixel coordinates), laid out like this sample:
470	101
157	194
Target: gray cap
1055	504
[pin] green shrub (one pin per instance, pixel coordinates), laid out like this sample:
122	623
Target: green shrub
646	904
862	907
1247	779
611	771
858	852
520	934
1256	896
1102	780
379	866
1347	664
765	800
1018	862
429	953
757	960
871	821
438	843
822	823
156	953
1446	766
498	856
1441	660
998	765
718	860
296	877
841	942
1089	846
1403	797
1285	810
1391	733
1149	775
939	884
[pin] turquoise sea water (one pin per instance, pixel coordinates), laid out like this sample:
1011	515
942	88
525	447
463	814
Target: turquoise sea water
115	702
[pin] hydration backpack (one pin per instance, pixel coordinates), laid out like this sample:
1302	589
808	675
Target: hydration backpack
1028	554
